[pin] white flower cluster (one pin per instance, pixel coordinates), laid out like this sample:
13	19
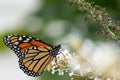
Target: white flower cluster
97	63
67	62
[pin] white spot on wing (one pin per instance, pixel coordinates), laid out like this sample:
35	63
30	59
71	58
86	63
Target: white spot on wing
24	36
9	36
30	37
20	38
25	41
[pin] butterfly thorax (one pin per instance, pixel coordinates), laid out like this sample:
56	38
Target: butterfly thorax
55	50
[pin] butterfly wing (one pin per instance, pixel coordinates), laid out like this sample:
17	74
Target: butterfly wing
35	60
34	55
19	43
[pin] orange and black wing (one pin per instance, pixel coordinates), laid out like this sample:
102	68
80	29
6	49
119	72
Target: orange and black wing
35	60
19	43
34	55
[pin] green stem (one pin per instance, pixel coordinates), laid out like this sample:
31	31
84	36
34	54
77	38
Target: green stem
98	13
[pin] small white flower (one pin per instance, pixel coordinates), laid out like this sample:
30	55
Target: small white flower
72	78
71	73
60	72
53	71
89	69
53	62
65	51
97	78
108	79
53	67
77	67
67	54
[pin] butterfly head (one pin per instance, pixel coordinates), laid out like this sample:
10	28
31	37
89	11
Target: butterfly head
55	50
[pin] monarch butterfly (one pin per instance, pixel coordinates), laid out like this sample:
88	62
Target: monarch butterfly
34	55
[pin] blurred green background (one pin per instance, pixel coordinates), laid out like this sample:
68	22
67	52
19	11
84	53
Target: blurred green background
53	21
